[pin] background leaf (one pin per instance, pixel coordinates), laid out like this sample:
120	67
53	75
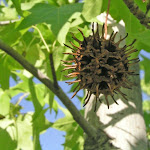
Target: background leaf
17	4
5	140
56	16
4	103
88	8
145	65
74	133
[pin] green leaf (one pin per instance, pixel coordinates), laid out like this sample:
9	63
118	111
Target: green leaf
76	19
32	54
8	13
147	122
146	109
146	105
4	103
4	73
10	36
91	9
57	57
46	31
141	5
39	93
6	141
62	2
1	117
55	106
145	87
17	4
28	4
5	123
143	40
1	8
56	16
19	129
24	127
22	86
119	11
40	123
145	64
74	134
29	39
34	97
53	2
14	110
51	101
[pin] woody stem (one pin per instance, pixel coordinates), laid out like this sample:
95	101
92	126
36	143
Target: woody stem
107	18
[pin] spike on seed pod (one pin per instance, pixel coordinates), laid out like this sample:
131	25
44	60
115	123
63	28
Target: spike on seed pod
100	65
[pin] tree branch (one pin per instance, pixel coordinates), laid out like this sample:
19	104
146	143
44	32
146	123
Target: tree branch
134	9
88	129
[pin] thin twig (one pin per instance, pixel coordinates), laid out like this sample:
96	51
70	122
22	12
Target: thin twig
53	70
88	129
50	57
106	19
134	9
21	98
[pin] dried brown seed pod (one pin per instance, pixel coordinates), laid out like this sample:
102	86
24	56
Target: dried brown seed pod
100	65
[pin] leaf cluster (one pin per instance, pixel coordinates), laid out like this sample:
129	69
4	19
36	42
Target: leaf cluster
55	19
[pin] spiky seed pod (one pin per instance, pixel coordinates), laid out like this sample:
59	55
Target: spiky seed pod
100	65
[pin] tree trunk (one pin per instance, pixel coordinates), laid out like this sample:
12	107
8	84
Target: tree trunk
121	126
